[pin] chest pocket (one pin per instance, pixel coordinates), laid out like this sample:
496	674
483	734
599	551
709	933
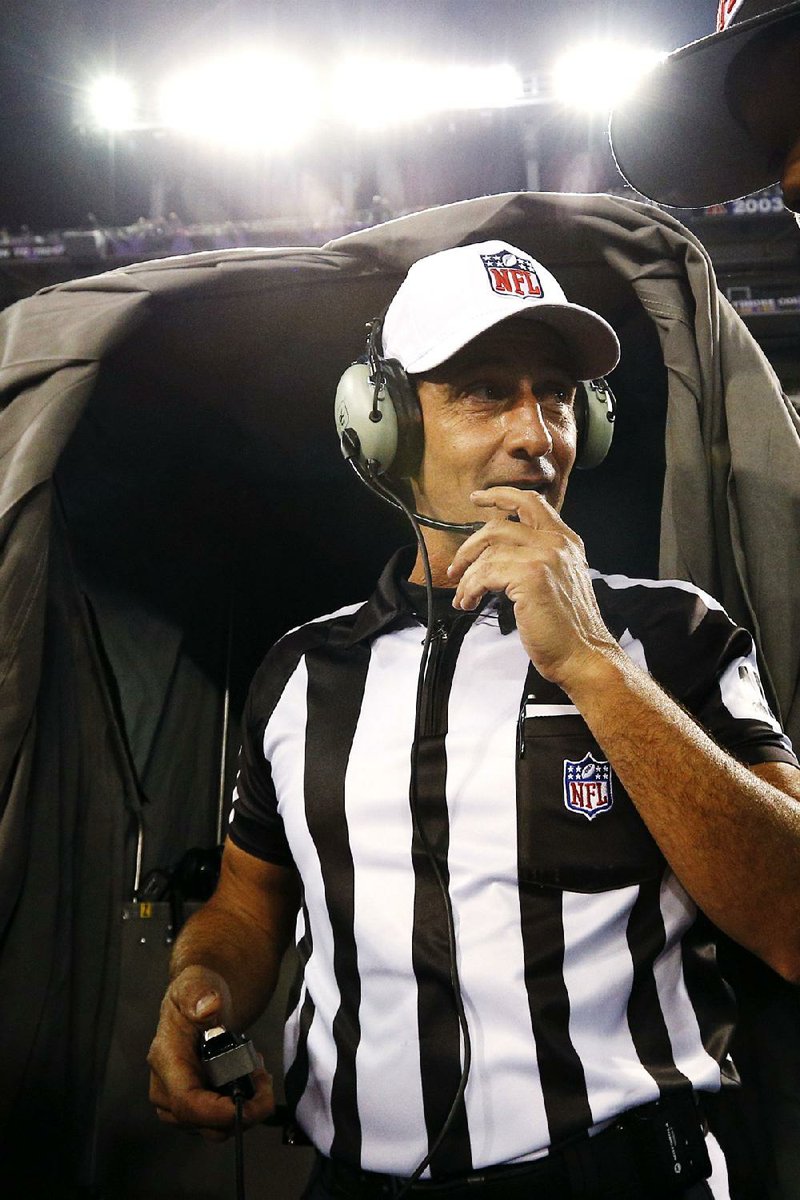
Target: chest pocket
578	830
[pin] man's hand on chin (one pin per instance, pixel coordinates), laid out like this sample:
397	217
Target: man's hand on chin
528	552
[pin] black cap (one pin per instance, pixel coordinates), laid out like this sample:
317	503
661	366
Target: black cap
675	139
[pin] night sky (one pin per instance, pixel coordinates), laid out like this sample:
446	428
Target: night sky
53	175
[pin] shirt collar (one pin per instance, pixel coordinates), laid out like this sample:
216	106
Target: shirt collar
389	607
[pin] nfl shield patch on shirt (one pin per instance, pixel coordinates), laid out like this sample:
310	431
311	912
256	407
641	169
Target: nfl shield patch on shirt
587	786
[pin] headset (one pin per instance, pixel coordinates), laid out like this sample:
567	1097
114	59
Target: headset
379	422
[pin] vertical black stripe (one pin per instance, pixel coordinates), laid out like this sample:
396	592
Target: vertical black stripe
562	1076
711	997
439	1032
335	691
646	940
296	1076
303	948
563	1081
437	1018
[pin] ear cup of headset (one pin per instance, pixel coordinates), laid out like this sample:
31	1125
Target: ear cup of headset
372	441
402	393
384	429
595	412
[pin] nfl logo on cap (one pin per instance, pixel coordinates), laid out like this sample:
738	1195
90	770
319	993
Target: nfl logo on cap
511	275
449	298
587	786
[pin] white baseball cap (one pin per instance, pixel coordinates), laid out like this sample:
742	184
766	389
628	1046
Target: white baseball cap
676	139
448	298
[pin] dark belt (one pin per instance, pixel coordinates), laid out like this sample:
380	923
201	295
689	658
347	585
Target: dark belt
654	1151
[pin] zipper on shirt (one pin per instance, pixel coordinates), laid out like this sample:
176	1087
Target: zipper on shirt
433	673
521	727
445	645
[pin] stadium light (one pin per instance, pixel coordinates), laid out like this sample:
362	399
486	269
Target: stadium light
111	103
373	94
596	76
247	101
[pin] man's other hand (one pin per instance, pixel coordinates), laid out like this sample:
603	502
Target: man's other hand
197	999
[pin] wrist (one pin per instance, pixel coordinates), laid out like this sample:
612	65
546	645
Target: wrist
593	671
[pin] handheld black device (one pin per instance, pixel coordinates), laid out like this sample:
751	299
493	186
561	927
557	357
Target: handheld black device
228	1058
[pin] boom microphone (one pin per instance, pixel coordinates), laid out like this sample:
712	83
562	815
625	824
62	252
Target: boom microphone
368	475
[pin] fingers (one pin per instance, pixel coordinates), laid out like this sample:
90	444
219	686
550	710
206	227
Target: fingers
262	1105
530	507
537	531
207	1112
201	996
196	1000
498	554
514	507
502	547
492	534
496	568
207	1134
194	1106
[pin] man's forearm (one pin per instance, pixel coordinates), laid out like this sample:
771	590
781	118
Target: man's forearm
732	839
218	940
242	932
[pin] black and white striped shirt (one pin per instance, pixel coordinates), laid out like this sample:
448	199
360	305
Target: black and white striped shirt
587	978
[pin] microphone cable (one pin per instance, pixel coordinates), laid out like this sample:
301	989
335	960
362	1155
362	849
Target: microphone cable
370	480
238	1138
227	1060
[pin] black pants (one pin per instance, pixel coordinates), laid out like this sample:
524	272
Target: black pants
317	1190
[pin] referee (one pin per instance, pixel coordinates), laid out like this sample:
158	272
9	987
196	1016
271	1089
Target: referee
501	873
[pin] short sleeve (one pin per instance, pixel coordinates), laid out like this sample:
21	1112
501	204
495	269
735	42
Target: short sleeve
690	646
735	709
255	823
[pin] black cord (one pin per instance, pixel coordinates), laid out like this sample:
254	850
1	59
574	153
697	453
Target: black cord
238	1137
458	999
369	478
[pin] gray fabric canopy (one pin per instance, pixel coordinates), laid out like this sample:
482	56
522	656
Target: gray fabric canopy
172	497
